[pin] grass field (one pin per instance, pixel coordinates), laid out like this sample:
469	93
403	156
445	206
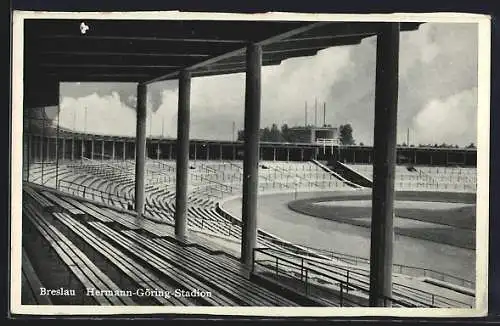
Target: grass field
455	227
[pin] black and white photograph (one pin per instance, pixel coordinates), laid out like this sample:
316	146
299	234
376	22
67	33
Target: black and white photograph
236	164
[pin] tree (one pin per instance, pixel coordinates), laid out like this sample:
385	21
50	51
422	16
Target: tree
241	135
285	133
346	135
471	145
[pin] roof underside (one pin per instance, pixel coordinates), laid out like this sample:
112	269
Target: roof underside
148	50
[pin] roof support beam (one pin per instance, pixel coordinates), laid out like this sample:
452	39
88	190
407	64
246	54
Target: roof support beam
182	158
385	134
140	154
251	153
241	51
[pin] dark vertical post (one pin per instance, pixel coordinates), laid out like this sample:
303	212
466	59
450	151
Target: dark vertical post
92	144
140	148
182	160
234	152
73	148
382	229
287	154
274	153
41	144
113	150
220	152
208	152
82	149
63	154
251	154
57	144
102	149
124	150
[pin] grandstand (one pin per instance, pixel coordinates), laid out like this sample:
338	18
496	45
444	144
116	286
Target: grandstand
92	195
137	221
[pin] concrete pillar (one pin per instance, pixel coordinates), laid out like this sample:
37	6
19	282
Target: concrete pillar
158	151
274	153
302	154
124	151
92	144
102	149
415	157
73	149
182	160
465	158
40	156
385	134
208	152
234	152
287	154
48	149
170	151
63	154
251	156
220	152
140	148
82	149
446	159
195	151
113	150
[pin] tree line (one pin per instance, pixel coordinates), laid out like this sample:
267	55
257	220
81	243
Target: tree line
283	134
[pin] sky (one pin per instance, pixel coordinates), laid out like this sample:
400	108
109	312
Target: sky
437	93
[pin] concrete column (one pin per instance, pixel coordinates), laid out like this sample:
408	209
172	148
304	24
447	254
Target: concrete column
124	151
48	149
465	158
40	156
234	152
158	151
170	151
195	151
92	144
220	152
208	152
354	155
251	156
415	157
102	149
385	131
63	154
274	153
113	150
72	149
182	160
82	149
446	159
287	154
140	148
302	154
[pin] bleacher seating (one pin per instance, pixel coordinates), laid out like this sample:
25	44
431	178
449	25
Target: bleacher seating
143	246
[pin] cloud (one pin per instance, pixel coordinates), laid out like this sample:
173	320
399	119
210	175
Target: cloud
448	120
98	114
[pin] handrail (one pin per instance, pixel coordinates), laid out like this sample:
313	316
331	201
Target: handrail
434	298
305	271
356	260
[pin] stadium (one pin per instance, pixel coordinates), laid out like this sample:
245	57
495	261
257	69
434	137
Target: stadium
148	220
